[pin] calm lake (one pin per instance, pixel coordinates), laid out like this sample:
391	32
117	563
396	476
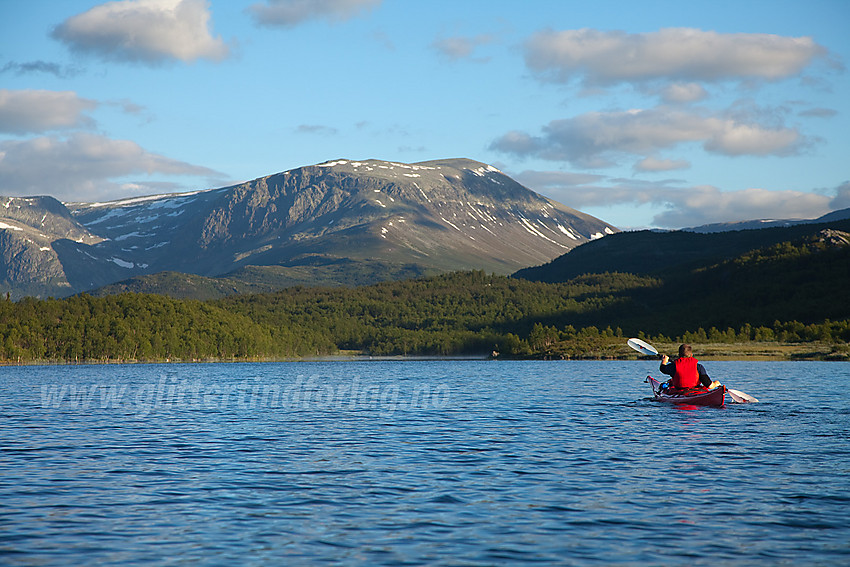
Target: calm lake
421	462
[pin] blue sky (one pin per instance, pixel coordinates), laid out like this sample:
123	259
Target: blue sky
653	113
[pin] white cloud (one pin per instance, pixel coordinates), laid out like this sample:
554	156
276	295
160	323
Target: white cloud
290	13
819	113
318	129
682	205
460	47
842	197
39	66
596	139
706	204
517	143
734	139
145	31
542	180
38	111
580	190
655	164
683	93
82	166
673	54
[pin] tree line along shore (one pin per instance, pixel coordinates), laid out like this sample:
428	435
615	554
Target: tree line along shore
456	314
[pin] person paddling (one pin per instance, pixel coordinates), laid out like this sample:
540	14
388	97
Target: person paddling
686	371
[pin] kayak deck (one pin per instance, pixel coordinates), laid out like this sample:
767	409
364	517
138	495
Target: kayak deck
695	396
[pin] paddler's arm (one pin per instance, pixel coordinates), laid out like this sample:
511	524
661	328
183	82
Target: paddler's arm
667	367
703	376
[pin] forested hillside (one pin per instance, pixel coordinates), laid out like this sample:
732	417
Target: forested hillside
788	292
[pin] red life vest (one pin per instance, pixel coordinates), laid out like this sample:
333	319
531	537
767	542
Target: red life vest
686	375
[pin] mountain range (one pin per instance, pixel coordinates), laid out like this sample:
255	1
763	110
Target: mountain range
338	222
768	223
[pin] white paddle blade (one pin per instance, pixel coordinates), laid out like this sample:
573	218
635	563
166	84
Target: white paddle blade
740	397
643	347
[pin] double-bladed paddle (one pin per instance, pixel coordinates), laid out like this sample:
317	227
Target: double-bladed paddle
645	348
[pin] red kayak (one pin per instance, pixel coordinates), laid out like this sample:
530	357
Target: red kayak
699	396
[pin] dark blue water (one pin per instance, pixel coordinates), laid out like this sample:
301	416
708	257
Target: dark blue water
429	462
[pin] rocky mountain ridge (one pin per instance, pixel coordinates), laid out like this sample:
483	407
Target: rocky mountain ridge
431	216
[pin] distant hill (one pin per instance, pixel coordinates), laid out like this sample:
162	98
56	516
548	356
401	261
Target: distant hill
337	222
658	253
721	280
804	279
264	279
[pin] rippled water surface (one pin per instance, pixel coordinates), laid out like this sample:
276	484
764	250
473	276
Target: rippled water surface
420	462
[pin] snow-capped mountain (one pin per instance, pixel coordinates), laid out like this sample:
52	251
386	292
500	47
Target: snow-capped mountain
440	215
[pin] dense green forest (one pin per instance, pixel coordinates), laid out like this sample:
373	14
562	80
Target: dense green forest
787	292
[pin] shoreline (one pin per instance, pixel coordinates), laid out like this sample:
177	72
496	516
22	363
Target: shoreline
760	352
